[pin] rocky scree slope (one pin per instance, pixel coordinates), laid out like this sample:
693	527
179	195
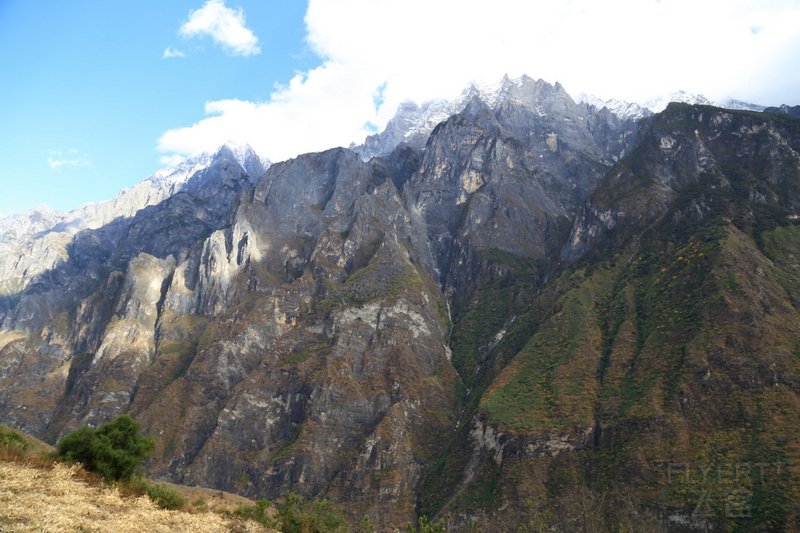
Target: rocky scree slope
495	329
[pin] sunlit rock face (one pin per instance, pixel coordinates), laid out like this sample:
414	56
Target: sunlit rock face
504	298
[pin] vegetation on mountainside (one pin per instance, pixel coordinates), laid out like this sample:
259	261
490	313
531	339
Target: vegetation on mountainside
658	322
675	345
298	515
555	389
426	526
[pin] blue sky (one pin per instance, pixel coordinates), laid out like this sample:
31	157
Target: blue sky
97	95
85	84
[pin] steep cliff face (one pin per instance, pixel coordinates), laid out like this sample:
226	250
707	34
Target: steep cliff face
278	335
510	178
37	242
95	311
667	351
516	325
322	356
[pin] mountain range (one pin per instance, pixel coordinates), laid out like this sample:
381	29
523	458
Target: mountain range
514	311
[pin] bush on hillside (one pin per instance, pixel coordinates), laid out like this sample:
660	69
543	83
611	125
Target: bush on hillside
258	512
115	450
12	443
297	515
165	497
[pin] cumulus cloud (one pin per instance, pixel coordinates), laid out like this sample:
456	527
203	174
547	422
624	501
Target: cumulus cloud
420	50
224	25
170	52
66	158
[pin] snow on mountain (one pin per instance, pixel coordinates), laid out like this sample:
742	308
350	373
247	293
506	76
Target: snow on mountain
635	111
656	105
17	226
742	106
36	240
247	157
150	191
413	123
621	108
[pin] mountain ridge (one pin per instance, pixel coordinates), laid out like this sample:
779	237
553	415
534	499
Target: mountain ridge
508	326
413	122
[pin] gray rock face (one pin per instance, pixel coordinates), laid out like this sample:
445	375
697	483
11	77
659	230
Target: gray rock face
511	178
36	242
793	111
672	158
287	328
106	292
412	124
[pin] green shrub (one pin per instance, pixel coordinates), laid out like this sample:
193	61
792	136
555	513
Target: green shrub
12	443
200	505
366	526
165	497
162	495
297	515
115	450
257	512
427	527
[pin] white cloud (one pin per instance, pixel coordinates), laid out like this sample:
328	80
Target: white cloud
224	25
170	52
171	160
66	158
419	50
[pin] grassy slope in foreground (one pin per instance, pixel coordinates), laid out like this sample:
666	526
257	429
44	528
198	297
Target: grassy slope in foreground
39	495
55	499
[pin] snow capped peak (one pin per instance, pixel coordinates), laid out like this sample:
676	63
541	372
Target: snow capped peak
620	108
176	176
246	156
637	110
413	123
523	90
181	172
150	191
491	94
659	104
240	152
40	218
742	106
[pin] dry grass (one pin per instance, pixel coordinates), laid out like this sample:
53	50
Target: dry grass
213	499
56	499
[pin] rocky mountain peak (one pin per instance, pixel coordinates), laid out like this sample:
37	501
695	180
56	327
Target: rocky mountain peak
413	123
245	156
37	241
785	109
530	294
